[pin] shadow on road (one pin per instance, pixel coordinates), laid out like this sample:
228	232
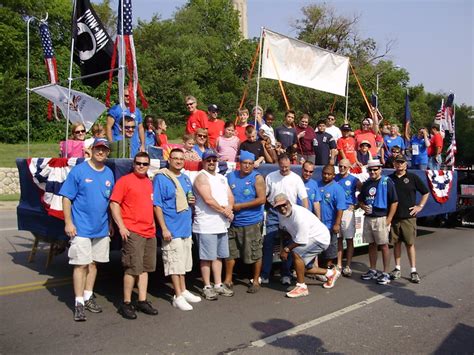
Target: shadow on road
460	340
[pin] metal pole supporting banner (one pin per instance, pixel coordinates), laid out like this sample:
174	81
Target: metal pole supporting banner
258	72
28	83
70	76
347	97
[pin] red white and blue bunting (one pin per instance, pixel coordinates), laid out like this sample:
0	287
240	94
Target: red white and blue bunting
440	182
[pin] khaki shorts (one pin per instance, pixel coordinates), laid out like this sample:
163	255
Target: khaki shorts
177	256
403	230
348	228
84	251
246	243
375	230
138	254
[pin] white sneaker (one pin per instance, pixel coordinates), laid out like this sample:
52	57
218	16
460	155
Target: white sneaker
189	297
285	280
181	303
264	280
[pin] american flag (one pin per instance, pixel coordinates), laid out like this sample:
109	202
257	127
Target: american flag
126	58
450	121
49	59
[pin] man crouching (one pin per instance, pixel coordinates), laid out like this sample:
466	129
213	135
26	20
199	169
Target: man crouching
310	237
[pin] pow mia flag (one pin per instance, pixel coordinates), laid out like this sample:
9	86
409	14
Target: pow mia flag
93	47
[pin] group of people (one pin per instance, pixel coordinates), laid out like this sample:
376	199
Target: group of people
225	214
322	145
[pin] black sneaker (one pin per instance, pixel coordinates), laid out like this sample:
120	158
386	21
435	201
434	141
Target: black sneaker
79	313
145	307
92	306
127	311
415	278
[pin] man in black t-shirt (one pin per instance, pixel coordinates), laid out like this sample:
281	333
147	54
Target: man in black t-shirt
403	228
324	145
378	198
286	134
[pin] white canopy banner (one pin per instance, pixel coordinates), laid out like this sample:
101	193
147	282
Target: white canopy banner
303	64
82	107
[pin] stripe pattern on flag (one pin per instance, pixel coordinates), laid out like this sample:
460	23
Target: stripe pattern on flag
48	174
49	59
440	182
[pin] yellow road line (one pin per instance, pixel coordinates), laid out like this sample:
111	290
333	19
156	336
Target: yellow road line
34	288
42	282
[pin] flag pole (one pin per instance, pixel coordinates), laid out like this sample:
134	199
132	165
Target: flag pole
69	79
347	97
28	82
259	72
121	78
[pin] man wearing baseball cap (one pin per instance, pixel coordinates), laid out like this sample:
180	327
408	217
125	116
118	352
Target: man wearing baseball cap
310	237
403	227
245	232
215	126
213	214
86	193
378	198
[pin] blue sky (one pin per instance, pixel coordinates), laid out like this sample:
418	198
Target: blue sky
434	39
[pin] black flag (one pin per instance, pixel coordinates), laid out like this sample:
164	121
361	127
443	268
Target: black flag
93	47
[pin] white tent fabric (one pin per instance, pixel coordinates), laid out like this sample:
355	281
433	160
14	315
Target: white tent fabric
300	63
82	109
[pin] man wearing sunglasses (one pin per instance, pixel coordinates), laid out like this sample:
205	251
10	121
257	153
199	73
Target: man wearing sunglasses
378	198
124	148
310	238
197	118
114	129
312	188
132	210
213	214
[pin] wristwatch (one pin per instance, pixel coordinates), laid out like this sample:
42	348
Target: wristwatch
286	249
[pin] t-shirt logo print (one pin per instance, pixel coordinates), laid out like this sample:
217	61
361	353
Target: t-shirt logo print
372	191
88	180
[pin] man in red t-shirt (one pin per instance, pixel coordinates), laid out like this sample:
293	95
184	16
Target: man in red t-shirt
435	148
346	145
132	209
197	118
215	126
305	136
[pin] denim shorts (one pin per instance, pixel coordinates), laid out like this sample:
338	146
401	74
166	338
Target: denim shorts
310	251
213	246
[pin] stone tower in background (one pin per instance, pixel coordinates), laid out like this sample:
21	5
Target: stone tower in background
241	7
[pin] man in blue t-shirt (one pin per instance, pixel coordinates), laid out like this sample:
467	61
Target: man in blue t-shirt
378	198
333	203
314	197
114	130
245	232
419	149
172	197
350	184
86	192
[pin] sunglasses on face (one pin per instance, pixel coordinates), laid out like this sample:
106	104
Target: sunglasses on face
126	95
139	163
373	170
190	104
201	135
211	160
282	206
129	127
343	167
79	132
308	171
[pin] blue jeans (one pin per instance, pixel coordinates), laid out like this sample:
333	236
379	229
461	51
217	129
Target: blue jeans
434	163
271	238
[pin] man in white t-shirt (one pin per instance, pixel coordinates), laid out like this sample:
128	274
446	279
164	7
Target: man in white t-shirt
331	127
310	237
213	214
287	182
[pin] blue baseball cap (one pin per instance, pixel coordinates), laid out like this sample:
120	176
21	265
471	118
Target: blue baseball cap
209	153
245	155
101	142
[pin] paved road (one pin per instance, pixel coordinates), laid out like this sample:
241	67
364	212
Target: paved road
435	316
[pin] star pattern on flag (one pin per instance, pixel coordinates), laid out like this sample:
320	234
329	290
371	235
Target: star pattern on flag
127	17
46	41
